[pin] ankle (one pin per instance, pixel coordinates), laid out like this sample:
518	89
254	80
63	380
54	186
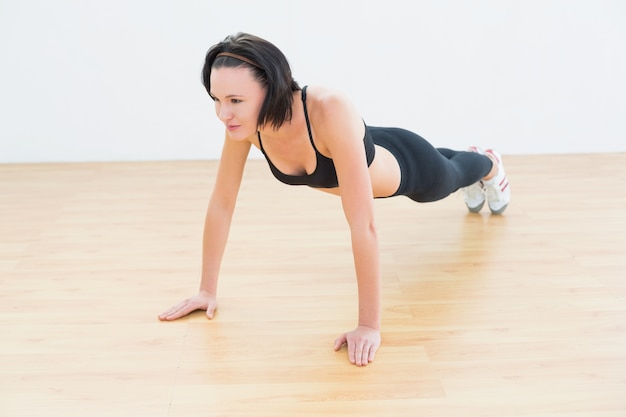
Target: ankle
494	168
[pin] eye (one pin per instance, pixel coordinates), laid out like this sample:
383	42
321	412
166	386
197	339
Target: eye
235	101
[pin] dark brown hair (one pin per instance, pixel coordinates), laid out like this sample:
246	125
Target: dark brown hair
269	67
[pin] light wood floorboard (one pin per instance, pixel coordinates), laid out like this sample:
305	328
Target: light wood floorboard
516	315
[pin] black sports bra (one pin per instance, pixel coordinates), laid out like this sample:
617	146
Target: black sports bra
325	175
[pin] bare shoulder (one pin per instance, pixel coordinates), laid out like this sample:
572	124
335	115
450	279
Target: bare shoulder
328	99
331	108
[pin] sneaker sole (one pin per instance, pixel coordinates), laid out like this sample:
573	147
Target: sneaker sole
500	210
476	209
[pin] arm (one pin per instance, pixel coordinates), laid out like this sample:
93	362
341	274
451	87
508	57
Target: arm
344	130
216	228
220	211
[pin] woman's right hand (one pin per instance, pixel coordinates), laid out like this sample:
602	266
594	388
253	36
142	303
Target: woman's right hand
204	300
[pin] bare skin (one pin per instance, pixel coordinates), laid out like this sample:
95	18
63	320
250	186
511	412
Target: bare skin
338	132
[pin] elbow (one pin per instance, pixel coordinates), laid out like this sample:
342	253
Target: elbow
371	228
364	230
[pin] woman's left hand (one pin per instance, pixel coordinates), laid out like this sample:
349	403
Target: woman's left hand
363	342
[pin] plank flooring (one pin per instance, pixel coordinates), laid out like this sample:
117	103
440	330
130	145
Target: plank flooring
516	315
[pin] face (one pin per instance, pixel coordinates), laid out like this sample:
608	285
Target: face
238	99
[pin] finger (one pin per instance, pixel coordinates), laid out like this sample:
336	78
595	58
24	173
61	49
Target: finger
177	311
368	355
353	354
211	311
173	312
166	315
358	355
340	341
372	353
169	316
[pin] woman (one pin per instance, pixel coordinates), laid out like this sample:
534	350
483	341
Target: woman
314	136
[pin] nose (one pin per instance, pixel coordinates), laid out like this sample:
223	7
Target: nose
224	113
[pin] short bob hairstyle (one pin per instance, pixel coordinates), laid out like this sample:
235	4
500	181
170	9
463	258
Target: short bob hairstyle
269	66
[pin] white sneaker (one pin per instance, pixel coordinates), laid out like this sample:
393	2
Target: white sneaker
497	188
474	195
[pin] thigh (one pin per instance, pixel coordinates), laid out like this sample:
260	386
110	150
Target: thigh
426	174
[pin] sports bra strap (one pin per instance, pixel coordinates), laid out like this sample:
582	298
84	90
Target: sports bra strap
308	124
306	117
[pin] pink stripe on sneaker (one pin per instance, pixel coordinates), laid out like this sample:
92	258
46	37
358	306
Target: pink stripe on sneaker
504	183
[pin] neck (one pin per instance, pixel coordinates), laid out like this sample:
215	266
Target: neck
290	128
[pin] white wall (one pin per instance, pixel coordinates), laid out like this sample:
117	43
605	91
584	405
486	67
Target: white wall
88	80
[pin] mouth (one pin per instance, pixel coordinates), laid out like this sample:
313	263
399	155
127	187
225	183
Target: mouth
232	128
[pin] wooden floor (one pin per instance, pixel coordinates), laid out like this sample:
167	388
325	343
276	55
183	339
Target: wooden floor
515	315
